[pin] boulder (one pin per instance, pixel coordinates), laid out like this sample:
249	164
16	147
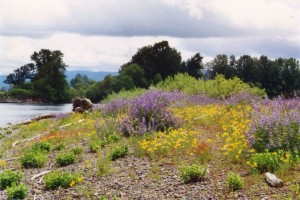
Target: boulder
273	181
82	104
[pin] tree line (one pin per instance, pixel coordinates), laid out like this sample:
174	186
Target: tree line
44	79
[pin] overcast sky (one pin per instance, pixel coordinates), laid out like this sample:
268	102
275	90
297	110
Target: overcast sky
101	35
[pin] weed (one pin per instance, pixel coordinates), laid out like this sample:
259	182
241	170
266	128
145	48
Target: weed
103	165
59	147
235	182
77	150
192	173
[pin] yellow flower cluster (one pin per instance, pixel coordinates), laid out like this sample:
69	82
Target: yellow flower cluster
207	115
173	141
80	179
3	163
235	122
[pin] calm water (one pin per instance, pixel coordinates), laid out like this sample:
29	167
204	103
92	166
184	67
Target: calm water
16	112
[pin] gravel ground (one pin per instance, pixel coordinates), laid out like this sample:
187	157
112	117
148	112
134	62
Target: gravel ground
136	178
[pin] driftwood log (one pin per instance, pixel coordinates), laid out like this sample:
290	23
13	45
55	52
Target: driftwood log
40	174
37	118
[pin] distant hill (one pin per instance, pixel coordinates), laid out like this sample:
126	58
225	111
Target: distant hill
97	76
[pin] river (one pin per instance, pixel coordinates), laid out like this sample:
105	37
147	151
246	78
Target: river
16	112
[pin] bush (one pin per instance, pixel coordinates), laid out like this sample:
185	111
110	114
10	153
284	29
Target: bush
19	93
218	87
235	182
95	146
33	159
17	191
42	147
119	152
77	150
192	173
56	179
264	162
65	159
8	177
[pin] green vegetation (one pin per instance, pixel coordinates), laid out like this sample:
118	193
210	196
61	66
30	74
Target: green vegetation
17	191
43	147
118	152
218	87
56	179
193	173
185	126
43	80
77	150
32	159
235	182
8	177
65	159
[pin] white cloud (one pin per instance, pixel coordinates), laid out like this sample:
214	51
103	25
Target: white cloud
102	35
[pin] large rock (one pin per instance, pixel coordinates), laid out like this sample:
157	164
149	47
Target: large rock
273	181
82	104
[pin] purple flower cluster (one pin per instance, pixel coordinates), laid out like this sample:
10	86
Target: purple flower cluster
275	125
149	113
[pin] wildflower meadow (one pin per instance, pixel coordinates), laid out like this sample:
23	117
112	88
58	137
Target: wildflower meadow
172	134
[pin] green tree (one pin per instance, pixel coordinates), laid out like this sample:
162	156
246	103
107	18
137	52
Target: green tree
80	84
157	59
194	66
20	75
50	80
136	73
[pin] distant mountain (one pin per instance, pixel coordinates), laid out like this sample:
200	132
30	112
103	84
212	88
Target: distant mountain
97	76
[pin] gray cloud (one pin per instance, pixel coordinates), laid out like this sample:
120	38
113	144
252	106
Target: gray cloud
102	35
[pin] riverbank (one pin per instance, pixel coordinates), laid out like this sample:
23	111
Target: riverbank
17	112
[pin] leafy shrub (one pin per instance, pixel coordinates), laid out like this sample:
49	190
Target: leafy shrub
1	136
42	147
265	162
124	95
19	93
56	179
118	152
95	146
33	159
65	159
77	150
235	182
59	147
17	191
8	177
218	87
192	173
